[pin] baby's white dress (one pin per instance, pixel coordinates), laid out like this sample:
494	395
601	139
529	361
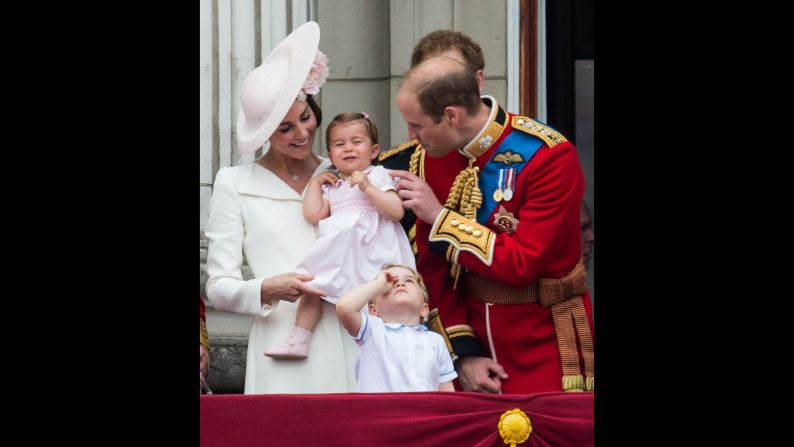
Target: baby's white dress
356	240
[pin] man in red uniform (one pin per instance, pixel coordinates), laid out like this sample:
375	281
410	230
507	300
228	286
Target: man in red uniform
501	256
452	44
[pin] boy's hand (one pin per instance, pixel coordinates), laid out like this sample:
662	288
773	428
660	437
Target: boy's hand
385	281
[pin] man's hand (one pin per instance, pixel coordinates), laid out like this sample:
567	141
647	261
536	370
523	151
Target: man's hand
417	196
480	374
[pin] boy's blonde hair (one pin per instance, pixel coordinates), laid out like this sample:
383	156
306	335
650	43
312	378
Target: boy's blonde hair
419	279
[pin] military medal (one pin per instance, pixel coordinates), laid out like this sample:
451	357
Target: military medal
497	195
508	194
505	221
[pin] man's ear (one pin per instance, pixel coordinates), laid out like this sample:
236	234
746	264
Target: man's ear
451	116
480	79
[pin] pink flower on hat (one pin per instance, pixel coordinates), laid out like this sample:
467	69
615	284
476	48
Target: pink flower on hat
316	77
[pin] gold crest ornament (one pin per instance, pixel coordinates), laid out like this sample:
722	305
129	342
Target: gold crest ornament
508	158
505	221
514	427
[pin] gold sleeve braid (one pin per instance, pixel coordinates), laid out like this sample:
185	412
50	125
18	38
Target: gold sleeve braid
465	235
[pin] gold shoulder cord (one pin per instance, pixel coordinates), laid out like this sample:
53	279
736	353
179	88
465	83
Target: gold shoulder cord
464	196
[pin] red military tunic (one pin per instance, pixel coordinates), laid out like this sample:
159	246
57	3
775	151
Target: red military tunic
547	186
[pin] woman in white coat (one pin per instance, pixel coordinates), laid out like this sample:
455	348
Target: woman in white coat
256	212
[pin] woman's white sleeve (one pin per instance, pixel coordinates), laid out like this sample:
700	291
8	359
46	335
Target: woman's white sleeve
226	289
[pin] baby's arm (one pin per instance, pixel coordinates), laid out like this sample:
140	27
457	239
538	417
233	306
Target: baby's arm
315	208
446	386
348	308
387	203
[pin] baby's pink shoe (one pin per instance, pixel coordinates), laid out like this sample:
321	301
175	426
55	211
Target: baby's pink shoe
296	346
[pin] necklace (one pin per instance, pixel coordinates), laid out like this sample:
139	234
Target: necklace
293	177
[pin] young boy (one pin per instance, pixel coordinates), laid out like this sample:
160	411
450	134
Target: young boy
396	352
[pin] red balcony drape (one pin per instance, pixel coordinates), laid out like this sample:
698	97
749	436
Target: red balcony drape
392	419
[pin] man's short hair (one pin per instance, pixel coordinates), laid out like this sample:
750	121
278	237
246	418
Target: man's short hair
455	88
443	40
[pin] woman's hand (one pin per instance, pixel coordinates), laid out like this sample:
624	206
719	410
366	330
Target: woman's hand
288	287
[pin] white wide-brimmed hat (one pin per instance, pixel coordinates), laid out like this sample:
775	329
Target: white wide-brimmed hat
270	89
